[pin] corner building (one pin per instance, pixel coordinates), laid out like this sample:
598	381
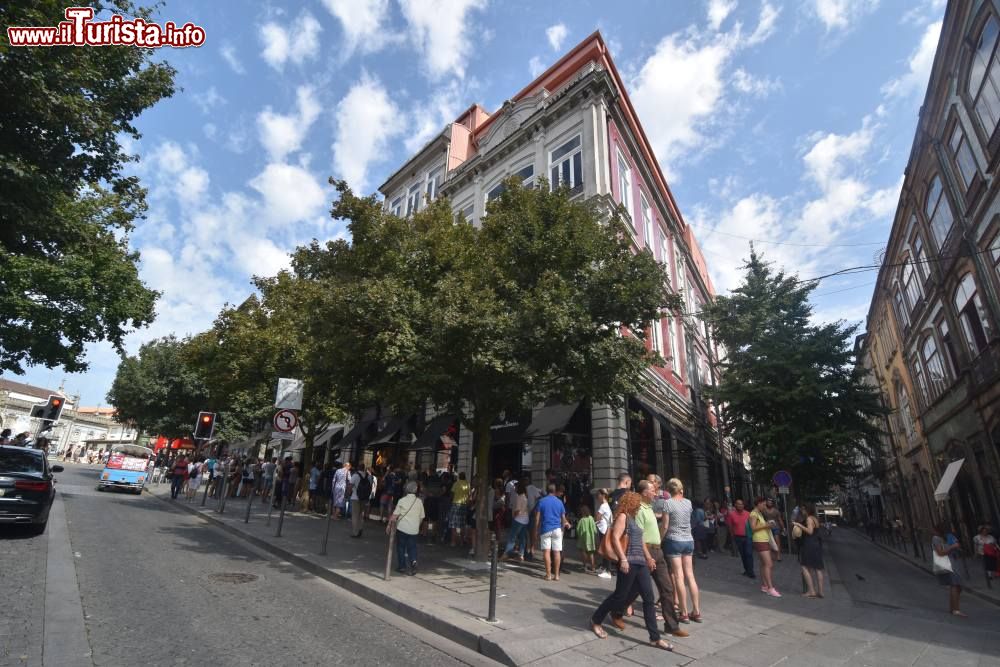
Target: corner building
575	126
933	329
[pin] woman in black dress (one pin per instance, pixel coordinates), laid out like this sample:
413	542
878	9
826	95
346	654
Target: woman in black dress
811	552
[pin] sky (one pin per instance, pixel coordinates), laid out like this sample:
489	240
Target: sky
788	122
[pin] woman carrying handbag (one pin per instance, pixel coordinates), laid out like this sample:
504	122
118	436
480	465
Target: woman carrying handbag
946	567
624	544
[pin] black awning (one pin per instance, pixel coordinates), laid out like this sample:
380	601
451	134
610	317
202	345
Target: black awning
552	418
389	431
359	429
509	428
428	440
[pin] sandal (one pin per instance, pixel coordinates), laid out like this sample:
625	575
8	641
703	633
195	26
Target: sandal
548	577
960	614
599	631
629	612
662	644
684	618
696	618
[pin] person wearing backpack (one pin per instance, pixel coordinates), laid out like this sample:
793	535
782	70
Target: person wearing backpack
361	490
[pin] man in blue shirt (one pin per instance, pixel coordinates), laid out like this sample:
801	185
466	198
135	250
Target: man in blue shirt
550	520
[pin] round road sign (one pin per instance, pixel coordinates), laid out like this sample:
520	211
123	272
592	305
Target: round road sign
782	478
285	421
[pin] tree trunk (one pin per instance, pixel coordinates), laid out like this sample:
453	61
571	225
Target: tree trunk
484	513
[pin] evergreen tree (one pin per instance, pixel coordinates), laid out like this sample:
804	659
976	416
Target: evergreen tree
792	396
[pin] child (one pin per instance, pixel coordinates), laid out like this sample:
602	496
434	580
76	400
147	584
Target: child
586	538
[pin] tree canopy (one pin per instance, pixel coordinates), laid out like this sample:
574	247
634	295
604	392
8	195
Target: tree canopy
792	397
528	306
68	276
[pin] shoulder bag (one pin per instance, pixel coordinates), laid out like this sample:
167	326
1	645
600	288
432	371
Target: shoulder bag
606	548
941	563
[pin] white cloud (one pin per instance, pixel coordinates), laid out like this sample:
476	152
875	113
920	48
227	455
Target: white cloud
208	100
718	10
295	43
842	14
752	85
363	23
439	29
290	193
282	134
556	34
229	55
535	66
367	119
765	24
679	87
210	131
430	117
918	73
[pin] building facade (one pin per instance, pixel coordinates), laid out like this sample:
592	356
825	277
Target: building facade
933	324
94	428
575	126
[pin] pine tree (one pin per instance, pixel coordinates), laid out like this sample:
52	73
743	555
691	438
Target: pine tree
793	397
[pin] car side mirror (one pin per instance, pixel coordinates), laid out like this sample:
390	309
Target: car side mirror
57	468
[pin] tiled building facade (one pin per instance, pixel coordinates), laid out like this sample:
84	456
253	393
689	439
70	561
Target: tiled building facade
934	320
574	125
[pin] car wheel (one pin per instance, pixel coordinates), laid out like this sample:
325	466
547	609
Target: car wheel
37	528
100	488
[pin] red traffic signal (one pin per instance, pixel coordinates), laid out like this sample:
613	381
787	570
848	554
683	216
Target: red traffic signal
205	425
49	412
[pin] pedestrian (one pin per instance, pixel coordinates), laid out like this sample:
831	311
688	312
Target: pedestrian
314	474
603	523
517	539
634	566
195	472
268	472
678	549
406	520
247	478
946	567
762	545
235	477
810	551
736	521
179	474
986	548
773	517
361	494
698	531
279	483
339	490
292	481
723	542
624	486
390	479
550	519
5	438
532	493
586	539
370	499
711	523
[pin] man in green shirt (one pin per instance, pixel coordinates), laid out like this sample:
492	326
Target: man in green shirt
651	534
456	515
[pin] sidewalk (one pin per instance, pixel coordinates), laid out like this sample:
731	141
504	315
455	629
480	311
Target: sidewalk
973	577
546	623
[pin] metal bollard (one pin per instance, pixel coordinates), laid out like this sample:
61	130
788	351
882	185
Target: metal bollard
388	556
281	515
246	519
492	618
224	493
326	536
204	496
270	500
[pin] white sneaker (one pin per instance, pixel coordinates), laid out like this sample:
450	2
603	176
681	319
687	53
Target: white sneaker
604	574
774	593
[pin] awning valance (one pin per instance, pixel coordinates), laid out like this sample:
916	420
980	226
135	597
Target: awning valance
947	480
428	440
551	419
389	431
321	440
359	429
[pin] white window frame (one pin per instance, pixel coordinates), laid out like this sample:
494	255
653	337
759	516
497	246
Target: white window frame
555	164
647	220
961	155
396	208
970	318
498	188
413	198
672	342
527	174
625	187
680	269
433	182
936	216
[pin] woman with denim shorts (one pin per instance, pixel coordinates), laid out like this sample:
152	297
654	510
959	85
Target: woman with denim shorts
678	549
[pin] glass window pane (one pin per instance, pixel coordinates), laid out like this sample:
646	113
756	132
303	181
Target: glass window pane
564	176
566	148
526	172
577	170
554	178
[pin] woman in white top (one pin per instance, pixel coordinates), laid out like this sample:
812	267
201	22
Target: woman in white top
194	478
603	520
678	549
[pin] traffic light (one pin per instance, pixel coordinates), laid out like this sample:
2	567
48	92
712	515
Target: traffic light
205	425
51	410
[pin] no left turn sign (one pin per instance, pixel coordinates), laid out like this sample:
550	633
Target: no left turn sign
285	421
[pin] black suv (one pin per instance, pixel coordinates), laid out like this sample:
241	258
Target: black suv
26	487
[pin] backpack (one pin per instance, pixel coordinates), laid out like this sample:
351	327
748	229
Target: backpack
365	487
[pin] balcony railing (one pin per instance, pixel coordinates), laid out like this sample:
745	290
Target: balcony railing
985	369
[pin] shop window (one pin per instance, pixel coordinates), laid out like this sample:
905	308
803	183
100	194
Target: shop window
972	315
984	77
938	212
566	165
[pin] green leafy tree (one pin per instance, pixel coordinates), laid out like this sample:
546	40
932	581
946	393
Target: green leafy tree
526	307
68	277
792	396
158	390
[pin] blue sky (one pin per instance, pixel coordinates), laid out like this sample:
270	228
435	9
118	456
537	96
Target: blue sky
773	120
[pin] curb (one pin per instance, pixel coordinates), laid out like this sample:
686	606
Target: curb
461	636
923	568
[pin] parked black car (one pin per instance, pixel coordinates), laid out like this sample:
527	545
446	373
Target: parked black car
26	487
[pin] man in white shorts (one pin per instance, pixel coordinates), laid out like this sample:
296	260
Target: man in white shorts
550	520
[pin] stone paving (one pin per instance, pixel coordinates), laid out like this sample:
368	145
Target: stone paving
22	604
546	623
